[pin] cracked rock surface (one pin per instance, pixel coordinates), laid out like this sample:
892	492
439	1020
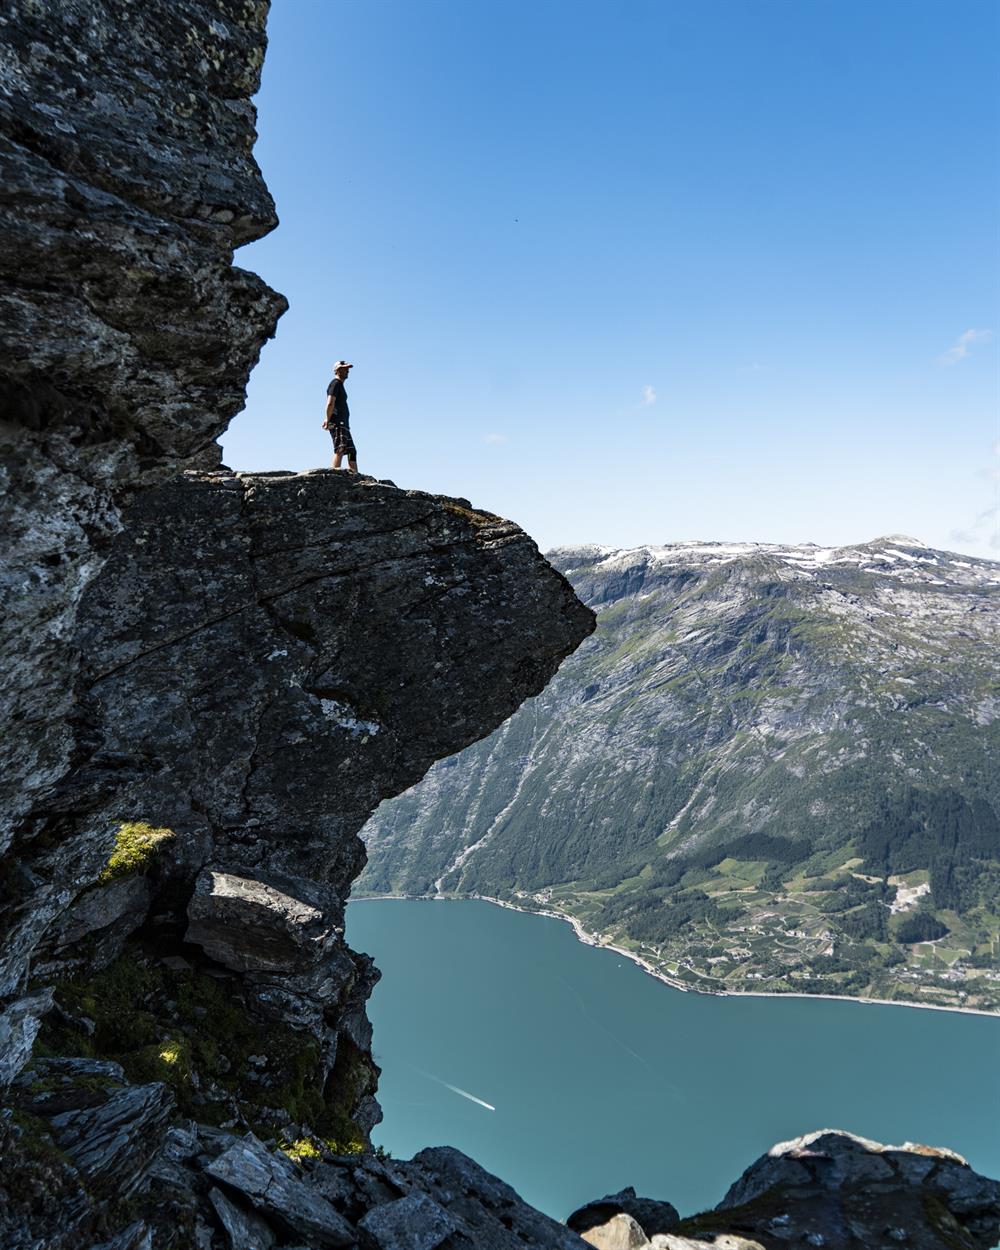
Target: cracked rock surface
210	681
263	659
126	333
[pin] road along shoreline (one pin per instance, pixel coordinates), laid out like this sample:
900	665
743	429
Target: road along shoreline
598	940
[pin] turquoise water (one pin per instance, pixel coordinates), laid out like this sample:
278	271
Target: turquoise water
602	1076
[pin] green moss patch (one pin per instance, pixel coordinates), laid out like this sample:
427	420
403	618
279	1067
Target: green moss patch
195	1033
473	517
136	846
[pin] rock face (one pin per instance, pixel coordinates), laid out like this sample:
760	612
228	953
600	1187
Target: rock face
126	334
846	1193
652	1216
263	659
747	719
211	680
828	1189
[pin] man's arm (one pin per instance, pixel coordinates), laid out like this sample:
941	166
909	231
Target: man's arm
329	412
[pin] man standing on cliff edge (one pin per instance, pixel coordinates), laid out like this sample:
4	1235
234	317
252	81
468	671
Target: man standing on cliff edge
338	417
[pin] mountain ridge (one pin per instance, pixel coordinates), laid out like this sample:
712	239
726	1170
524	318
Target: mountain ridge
779	702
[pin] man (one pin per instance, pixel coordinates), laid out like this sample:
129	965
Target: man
338	416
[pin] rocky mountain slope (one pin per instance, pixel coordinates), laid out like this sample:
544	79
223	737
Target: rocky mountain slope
209	681
770	768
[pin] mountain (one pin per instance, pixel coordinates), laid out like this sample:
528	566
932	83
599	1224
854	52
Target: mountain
771	767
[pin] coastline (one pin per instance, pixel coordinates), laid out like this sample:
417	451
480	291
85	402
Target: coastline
591	939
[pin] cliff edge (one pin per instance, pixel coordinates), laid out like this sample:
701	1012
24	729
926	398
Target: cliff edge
210	680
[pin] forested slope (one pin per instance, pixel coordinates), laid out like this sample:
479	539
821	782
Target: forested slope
768	767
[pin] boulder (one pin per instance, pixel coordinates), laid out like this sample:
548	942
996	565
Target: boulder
843	1192
244	1228
651	1214
19	1025
724	1241
270	1182
415	1222
621	1232
251	925
489	1213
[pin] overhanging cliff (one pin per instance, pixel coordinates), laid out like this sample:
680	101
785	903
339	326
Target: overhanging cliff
210	680
208	683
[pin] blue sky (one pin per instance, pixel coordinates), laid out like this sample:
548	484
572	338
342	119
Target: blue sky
642	272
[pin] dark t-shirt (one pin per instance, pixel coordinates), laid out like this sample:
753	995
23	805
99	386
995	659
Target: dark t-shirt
341	412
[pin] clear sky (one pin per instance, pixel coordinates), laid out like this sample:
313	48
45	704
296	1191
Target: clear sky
642	272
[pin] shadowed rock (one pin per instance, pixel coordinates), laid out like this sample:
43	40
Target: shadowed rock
126	333
844	1192
270	1183
651	1215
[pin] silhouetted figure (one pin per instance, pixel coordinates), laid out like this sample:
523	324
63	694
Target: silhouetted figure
338	417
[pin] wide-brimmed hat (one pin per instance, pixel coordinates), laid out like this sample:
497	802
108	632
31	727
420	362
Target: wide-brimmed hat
342	364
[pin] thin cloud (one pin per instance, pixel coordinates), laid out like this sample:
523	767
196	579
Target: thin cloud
495	440
648	396
963	345
985	527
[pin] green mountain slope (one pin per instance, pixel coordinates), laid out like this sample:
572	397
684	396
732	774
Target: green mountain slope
770	768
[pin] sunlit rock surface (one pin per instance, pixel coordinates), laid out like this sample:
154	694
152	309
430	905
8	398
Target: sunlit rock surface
210	681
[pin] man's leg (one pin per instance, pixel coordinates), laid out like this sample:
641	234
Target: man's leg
337	457
352	464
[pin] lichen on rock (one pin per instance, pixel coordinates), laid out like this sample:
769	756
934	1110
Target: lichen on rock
211	680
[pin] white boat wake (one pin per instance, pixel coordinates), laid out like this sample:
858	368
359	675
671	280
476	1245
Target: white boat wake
456	1090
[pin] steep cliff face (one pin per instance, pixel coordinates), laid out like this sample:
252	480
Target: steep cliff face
263	659
126	334
210	680
206	698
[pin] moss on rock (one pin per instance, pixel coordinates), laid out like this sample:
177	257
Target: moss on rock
136	846
195	1032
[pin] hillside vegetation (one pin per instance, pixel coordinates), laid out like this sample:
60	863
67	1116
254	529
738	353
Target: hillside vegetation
771	768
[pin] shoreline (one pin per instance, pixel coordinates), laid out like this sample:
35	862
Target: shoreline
590	939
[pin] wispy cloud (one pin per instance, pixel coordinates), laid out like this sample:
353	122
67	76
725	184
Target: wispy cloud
495	440
963	345
648	396
985	529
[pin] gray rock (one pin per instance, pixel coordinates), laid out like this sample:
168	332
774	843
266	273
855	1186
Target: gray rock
489	1213
411	1223
653	1215
270	1182
138	1236
121	904
254	926
842	1192
19	1025
308	612
116	1140
724	1241
126	335
245	1229
253	662
621	1232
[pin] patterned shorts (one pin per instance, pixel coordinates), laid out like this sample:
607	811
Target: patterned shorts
343	444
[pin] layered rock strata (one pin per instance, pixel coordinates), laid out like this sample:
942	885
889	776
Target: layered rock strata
210	680
197	729
262	660
127	178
